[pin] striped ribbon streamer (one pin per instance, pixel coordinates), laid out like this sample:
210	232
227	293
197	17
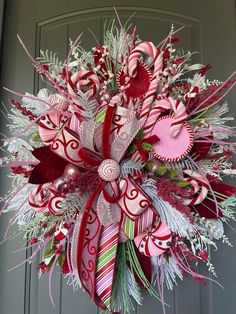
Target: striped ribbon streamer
106	260
134	227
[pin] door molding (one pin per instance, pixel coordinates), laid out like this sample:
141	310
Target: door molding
142	11
119	9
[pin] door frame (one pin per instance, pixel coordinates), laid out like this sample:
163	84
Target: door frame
2	19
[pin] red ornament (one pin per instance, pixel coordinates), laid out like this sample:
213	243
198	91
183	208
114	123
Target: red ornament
71	171
61	232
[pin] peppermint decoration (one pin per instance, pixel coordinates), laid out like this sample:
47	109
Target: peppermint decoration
118	172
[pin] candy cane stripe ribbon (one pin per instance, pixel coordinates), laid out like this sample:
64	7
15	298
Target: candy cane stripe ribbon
106	260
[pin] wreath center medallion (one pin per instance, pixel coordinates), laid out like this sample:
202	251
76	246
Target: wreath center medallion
109	170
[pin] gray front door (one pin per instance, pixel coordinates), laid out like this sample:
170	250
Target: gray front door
46	24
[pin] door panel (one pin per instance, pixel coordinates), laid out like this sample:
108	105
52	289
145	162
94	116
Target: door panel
48	25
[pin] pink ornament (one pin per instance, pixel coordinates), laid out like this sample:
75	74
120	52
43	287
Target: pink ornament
64	187
71	171
155	240
171	148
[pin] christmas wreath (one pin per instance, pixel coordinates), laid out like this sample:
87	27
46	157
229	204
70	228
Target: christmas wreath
117	167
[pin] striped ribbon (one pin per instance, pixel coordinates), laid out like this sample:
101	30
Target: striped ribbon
106	260
132	228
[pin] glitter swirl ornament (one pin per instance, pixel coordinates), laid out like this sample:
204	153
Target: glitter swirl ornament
109	170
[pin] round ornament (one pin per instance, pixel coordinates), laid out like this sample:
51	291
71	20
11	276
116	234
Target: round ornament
109	170
61	232
170	148
155	240
135	87
54	205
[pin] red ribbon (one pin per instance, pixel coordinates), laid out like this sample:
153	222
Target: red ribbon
106	153
122	192
102	187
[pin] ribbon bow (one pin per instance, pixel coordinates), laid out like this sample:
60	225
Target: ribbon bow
114	194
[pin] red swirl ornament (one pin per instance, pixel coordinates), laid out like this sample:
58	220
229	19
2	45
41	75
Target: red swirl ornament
50	125
54	205
155	240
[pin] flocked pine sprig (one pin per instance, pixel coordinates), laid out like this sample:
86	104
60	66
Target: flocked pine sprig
181	164
170	271
18	184
52	63
215	167
174	218
200	243
117	41
211	268
38	105
73	203
41	225
50	58
214	122
213	82
90	106
21	122
197	81
212	228
226	240
131	167
228	207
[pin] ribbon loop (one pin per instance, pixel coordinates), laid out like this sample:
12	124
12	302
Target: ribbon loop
132	201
